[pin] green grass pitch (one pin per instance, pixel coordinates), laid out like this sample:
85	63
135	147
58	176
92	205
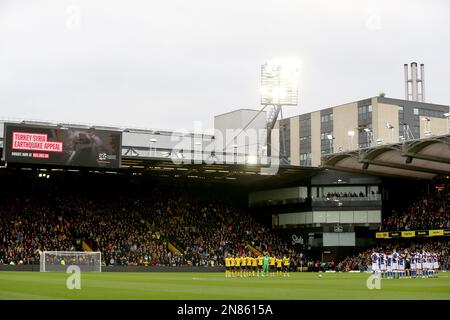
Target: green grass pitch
184	286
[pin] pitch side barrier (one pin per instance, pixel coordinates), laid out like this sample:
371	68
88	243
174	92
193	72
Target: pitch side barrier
413	234
124	268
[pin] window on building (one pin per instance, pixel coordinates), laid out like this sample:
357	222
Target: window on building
305	159
365	113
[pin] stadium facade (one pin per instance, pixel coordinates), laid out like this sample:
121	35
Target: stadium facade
359	124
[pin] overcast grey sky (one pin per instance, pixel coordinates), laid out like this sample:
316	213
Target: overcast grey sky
165	64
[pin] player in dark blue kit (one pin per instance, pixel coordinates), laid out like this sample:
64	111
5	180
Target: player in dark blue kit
401	266
395	270
389	266
383	265
375	260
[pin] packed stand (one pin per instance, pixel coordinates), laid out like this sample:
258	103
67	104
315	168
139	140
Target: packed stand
130	229
431	211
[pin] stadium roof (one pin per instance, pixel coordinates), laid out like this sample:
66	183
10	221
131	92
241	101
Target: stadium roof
217	172
418	159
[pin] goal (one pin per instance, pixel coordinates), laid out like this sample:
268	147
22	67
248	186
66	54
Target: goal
60	260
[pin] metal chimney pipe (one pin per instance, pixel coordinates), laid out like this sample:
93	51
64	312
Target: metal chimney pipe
422	81
414	81
406	81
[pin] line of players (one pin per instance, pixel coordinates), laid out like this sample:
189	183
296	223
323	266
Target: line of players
397	265
262	265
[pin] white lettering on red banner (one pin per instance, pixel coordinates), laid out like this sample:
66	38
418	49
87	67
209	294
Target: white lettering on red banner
35	142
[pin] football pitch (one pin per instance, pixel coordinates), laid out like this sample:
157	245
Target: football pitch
207	286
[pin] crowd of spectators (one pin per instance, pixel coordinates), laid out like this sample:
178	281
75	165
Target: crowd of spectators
131	229
430	211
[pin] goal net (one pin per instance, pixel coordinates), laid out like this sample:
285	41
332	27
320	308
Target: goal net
60	260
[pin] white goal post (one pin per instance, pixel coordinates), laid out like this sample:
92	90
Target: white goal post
60	260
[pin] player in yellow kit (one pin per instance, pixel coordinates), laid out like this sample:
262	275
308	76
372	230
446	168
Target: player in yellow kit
286	266
227	266
260	265
254	266
237	262
232	266
272	265
243	265
249	265
279	262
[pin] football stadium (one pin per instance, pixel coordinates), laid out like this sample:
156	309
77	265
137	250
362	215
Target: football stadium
349	201
147	214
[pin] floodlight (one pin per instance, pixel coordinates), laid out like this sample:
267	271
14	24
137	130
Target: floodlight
367	130
279	83
330	137
252	159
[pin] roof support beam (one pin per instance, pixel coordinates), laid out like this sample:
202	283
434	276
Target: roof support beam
404	167
425	157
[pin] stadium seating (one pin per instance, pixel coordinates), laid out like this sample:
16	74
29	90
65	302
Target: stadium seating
430	211
129	228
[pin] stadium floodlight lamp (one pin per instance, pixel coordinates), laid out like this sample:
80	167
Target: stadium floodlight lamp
252	159
279	82
330	137
351	133
367	130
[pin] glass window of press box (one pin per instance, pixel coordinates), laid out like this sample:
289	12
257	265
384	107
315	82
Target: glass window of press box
357	193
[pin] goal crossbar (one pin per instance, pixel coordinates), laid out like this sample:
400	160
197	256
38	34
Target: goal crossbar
60	260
